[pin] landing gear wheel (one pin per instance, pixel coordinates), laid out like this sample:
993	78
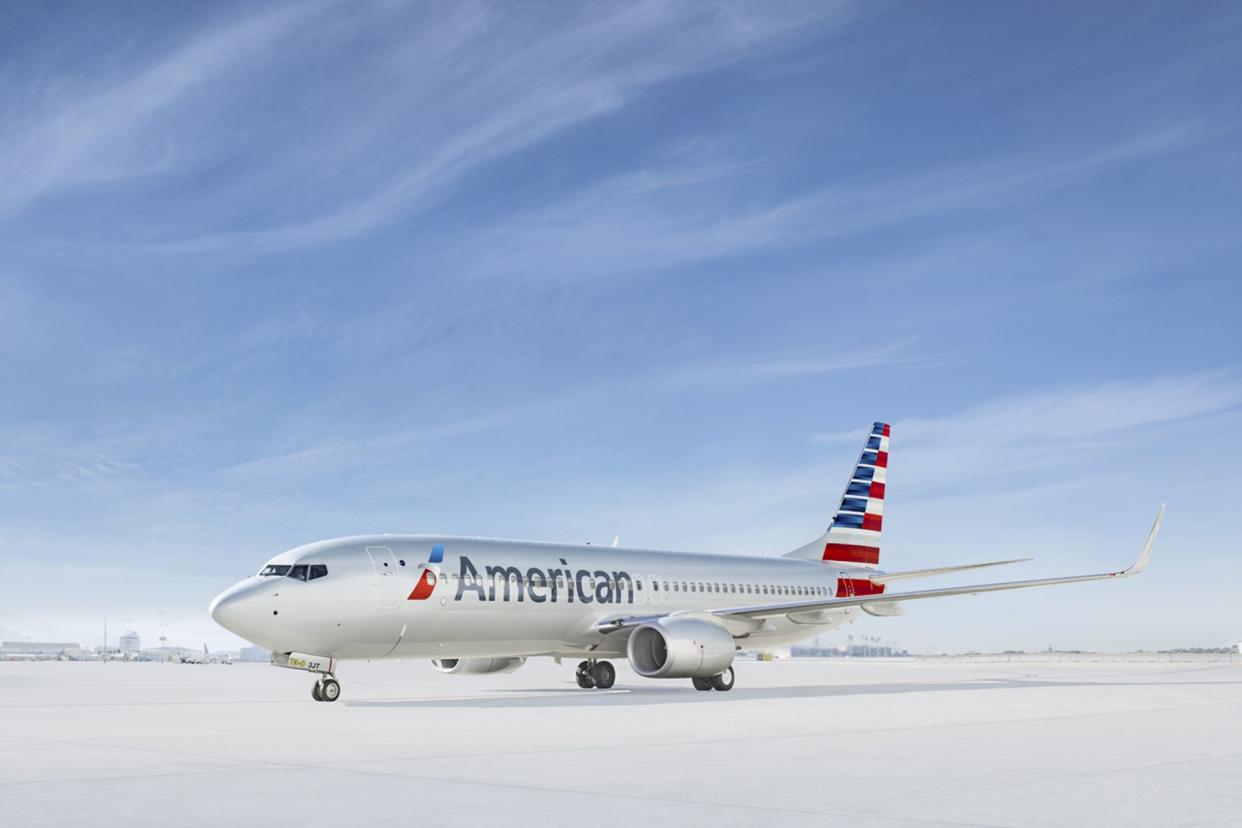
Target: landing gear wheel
724	681
701	683
605	675
330	691
316	693
583	676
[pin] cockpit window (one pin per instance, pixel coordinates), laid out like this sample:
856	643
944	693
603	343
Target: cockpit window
318	571
275	569
298	571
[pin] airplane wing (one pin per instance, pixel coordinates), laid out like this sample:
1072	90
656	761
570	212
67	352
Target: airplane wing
805	608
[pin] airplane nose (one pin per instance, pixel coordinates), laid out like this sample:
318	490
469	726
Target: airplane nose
235	609
219	609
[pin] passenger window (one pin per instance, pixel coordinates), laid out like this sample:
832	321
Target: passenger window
317	571
692	587
298	572
638	585
675	587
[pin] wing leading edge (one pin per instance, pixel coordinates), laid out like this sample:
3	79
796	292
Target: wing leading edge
889	577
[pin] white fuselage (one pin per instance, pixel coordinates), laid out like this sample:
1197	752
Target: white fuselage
498	598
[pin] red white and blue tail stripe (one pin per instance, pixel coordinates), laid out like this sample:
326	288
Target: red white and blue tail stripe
853	537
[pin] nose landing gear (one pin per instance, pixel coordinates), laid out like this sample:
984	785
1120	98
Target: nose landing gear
327	689
598	674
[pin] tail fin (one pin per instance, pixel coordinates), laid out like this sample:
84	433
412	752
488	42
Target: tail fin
854	534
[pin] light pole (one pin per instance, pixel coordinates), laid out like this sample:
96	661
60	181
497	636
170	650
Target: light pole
163	635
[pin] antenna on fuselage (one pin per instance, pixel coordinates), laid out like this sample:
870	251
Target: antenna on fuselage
616	541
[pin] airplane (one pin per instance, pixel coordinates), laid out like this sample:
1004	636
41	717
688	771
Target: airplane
207	657
479	605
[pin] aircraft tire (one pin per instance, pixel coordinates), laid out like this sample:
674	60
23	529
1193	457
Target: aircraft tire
583	676
315	694
701	683
331	690
724	681
604	674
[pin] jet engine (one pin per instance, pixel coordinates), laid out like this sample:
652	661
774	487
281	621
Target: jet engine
680	648
464	666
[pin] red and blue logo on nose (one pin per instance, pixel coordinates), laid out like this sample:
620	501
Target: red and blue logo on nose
428	576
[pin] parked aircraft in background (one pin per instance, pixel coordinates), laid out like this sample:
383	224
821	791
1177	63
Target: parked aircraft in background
476	605
207	657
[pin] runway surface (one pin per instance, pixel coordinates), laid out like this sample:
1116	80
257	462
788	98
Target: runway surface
795	743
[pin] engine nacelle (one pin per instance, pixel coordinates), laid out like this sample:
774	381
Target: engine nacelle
464	666
680	648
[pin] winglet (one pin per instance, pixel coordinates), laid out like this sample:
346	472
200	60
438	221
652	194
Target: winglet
1145	556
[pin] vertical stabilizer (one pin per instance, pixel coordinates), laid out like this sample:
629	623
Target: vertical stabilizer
853	536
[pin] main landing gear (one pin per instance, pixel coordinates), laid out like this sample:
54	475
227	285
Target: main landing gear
722	682
327	689
598	674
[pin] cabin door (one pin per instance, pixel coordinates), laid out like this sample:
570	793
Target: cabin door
387	584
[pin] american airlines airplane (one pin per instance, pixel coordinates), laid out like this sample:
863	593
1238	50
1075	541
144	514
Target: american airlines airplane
477	605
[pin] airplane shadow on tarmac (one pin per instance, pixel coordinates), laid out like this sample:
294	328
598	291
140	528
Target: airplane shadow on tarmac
575	697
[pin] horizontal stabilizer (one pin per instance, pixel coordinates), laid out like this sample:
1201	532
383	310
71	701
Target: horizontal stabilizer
889	577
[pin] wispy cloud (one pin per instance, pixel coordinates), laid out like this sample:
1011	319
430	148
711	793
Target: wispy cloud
87	132
668	217
1011	440
752	368
498	88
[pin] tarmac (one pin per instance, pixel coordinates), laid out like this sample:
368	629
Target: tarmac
796	743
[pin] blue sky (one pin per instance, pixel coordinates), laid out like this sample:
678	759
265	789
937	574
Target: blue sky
274	273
